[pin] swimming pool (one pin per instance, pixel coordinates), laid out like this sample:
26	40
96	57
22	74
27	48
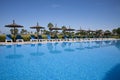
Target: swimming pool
97	60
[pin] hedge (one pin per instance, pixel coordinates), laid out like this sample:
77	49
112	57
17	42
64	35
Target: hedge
2	38
26	37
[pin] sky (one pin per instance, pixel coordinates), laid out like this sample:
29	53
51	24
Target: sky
87	14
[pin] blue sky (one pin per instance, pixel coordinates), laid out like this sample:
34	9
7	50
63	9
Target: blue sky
89	14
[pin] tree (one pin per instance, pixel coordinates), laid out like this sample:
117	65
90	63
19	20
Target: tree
114	31
50	25
72	34
23	31
83	33
45	32
35	32
28	32
118	31
107	33
12	31
99	33
31	32
63	29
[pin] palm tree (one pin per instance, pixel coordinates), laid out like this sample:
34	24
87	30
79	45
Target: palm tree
82	33
107	33
12	31
31	32
23	31
46	32
50	25
114	31
118	31
99	33
63	29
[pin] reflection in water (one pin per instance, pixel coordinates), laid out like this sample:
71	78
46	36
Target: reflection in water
32	45
19	45
117	44
37	53
39	44
89	46
49	46
107	42
113	74
14	55
64	44
54	49
69	49
98	44
8	46
80	46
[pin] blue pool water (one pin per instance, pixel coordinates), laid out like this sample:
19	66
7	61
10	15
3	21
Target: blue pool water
98	60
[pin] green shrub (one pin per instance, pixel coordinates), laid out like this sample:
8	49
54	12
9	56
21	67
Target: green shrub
2	38
60	36
26	37
115	37
44	36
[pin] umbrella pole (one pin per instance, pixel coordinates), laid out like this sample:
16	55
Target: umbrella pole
37	35
14	35
37	29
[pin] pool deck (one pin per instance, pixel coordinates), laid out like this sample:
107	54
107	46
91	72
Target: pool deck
43	41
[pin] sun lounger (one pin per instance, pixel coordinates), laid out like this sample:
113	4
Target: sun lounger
49	38
56	38
33	38
40	38
66	38
19	38
77	38
71	38
8	38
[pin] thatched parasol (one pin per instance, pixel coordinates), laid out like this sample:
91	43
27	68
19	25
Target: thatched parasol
81	30
56	28
37	27
69	29
14	26
90	31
